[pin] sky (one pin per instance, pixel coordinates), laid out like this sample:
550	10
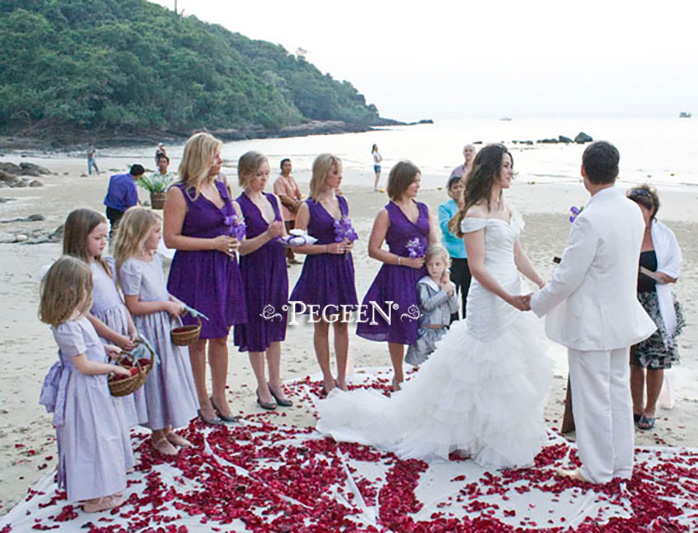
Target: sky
448	59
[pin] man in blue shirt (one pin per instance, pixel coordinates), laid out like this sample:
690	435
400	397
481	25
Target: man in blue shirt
460	273
122	194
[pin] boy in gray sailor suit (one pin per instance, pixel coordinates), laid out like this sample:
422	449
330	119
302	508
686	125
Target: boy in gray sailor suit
437	302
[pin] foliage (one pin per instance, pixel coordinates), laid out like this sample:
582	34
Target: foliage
125	64
156	182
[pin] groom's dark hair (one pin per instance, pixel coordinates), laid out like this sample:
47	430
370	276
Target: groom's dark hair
600	162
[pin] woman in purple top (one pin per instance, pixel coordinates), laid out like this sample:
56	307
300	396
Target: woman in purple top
200	220
405	225
327	280
263	267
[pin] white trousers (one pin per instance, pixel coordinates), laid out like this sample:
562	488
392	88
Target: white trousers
603	413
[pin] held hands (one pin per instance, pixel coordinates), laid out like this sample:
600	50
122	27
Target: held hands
226	244
521	301
274	230
112	351
337	248
126	343
412	262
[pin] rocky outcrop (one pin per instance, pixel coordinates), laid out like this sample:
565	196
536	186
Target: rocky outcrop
582	138
563	139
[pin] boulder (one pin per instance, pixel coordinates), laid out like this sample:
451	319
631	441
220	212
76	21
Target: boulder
564	139
36	183
582	138
30	169
548	141
11	168
10	180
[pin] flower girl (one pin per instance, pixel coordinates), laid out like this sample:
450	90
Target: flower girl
170	395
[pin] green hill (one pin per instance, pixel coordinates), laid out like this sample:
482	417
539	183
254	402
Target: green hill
109	67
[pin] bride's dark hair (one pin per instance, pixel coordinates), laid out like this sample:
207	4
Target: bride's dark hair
487	167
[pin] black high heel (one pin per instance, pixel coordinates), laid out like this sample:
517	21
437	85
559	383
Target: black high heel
222	416
283	402
269	406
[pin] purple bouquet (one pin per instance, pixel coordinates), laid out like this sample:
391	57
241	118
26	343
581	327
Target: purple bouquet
344	230
236	227
416	248
575	212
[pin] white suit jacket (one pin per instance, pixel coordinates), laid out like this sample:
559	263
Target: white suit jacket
591	301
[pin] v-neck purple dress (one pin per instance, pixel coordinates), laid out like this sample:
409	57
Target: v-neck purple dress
396	284
208	280
265	279
326	279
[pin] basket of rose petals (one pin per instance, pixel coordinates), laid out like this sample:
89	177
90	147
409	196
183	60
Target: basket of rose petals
138	365
186	335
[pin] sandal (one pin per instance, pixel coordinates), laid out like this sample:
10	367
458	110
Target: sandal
165	447
636	417
645	422
104	504
178	440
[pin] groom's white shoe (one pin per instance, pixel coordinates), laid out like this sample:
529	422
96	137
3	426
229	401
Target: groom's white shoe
575	474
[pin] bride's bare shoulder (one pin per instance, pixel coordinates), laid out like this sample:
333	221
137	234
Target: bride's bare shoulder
478	210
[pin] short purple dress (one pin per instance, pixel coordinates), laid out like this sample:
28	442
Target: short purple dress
326	279
265	279
397	284
108	307
170	395
208	280
94	447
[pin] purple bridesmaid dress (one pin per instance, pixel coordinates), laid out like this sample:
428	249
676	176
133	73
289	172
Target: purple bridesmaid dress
326	279
265	279
208	280
397	284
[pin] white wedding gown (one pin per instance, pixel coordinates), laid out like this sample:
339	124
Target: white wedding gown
481	393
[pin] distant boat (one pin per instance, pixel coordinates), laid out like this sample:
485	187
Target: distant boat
684	114
505	119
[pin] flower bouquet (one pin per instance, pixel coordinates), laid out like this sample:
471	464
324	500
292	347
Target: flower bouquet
416	248
344	230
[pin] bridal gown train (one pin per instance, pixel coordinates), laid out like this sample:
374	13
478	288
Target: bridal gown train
481	393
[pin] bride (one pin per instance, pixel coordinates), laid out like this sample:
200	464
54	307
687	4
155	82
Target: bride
482	392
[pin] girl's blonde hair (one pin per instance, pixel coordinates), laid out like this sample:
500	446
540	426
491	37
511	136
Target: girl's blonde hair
132	232
77	227
248	165
199	153
66	286
437	251
321	166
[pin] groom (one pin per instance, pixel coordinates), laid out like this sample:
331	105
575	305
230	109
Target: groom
593	309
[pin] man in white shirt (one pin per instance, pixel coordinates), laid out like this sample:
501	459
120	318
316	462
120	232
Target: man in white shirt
592	309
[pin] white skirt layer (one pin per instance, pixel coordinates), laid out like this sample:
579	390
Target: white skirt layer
479	398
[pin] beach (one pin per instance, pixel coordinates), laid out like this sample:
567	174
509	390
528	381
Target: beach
27	349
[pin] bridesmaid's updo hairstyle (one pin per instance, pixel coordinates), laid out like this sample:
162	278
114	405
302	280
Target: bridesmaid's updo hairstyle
401	176
321	166
77	227
647	197
67	286
248	165
197	160
479	182
132	232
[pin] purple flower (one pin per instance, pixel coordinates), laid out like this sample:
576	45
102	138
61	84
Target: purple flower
416	248
344	230
236	227
575	212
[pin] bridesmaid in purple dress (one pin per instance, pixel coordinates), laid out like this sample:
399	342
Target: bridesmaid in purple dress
327	280
263	267
405	225
199	224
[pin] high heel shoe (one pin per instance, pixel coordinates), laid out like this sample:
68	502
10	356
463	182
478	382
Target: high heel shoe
222	415
210	421
269	406
283	402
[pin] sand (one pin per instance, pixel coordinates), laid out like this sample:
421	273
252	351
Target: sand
27	350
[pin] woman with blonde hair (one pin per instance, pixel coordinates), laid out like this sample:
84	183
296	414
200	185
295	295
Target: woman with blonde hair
327	280
263	268
202	223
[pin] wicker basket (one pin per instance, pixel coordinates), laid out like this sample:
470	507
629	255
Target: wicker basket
186	335
124	387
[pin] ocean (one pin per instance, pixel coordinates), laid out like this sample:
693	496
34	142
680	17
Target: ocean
660	150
